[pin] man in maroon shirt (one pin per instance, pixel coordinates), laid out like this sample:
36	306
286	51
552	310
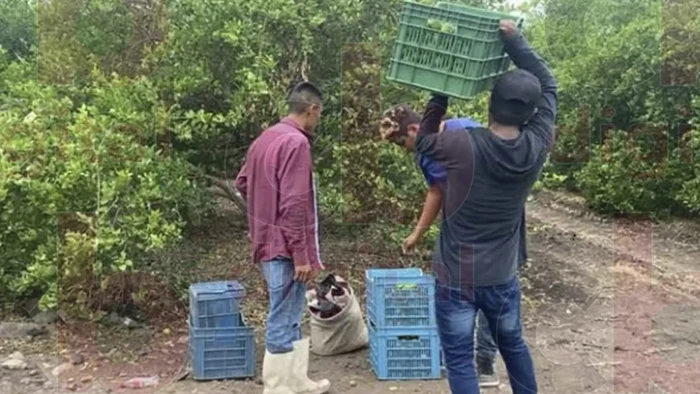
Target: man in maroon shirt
277	184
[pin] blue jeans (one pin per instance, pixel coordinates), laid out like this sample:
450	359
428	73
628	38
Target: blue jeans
287	303
485	345
456	312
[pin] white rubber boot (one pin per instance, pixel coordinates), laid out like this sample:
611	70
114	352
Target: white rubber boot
276	372
299	379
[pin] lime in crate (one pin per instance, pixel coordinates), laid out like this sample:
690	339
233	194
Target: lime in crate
450	49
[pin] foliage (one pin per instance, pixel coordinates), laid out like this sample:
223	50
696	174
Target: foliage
93	174
107	107
17	27
627	176
623	66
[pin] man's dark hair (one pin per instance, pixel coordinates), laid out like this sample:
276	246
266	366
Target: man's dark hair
302	96
514	97
394	124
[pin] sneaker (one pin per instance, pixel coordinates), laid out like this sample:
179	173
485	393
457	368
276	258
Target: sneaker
486	372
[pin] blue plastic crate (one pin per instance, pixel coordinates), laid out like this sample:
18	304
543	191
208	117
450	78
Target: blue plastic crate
222	353
405	354
215	304
400	298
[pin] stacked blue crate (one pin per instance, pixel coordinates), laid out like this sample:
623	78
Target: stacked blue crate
215	304
221	345
404	342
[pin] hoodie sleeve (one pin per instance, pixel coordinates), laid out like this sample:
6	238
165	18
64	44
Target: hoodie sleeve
429	141
524	57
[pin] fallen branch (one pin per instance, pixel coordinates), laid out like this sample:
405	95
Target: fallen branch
222	188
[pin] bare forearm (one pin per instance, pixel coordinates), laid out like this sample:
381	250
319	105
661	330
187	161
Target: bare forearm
431	208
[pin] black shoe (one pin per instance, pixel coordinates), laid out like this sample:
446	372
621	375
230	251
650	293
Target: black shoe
486	372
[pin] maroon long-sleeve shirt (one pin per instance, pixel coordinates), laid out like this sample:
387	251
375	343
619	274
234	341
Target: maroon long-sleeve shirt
277	183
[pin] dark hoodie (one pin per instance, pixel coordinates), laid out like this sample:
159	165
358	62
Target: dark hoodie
482	234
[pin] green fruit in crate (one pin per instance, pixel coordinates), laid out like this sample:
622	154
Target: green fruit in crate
434	24
448	28
442	26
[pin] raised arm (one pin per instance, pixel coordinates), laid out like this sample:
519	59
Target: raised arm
524	57
429	139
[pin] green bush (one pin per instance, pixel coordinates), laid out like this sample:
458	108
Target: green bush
689	194
625	176
110	120
90	175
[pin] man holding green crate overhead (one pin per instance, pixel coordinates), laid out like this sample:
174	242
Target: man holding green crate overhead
489	174
400	126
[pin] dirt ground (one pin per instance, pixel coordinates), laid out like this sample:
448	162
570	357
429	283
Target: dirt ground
610	306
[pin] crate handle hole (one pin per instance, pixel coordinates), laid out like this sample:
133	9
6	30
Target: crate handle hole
408	337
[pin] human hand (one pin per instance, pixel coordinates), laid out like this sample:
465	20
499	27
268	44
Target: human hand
304	273
508	29
439	99
410	243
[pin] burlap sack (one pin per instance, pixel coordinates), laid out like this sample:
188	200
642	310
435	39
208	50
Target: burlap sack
342	333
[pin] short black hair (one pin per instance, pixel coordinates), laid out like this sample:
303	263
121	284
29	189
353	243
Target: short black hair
302	96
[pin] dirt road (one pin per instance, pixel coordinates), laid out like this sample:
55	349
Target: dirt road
612	306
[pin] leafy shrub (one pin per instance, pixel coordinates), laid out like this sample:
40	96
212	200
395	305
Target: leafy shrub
127	96
626	176
689	195
85	175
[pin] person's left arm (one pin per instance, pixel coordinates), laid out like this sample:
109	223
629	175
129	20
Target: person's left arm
431	208
435	176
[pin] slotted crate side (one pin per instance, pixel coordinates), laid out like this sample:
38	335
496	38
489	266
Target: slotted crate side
460	64
446	63
478	29
438	82
478	12
475	23
226	353
466	19
449	44
400	298
399	354
494	17
215	304
447	55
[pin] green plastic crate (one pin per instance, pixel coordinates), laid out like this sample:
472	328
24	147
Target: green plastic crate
462	62
478	12
473	12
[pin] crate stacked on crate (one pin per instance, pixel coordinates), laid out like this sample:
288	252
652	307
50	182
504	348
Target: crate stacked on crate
221	345
400	306
450	49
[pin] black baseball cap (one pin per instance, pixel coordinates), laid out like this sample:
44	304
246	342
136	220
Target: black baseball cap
514	97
